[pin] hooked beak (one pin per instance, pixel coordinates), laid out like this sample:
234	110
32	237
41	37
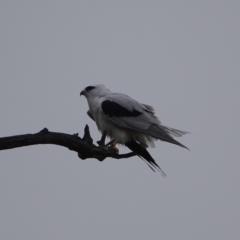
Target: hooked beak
82	93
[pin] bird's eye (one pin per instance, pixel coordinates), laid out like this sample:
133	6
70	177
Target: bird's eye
88	89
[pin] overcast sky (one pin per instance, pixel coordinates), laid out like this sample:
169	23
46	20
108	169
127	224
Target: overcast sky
182	57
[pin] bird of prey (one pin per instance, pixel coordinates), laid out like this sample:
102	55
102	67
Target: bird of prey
128	122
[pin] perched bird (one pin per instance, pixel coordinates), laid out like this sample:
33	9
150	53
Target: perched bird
128	122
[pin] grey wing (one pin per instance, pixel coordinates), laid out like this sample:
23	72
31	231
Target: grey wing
145	122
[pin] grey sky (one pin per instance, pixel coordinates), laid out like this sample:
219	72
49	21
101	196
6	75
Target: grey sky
182	57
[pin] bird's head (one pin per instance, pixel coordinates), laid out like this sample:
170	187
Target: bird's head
94	90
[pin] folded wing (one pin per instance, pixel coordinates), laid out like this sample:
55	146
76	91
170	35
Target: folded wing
130	114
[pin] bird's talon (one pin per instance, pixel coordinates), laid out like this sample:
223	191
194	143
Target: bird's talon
112	145
115	149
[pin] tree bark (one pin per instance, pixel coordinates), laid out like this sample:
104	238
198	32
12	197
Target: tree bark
83	146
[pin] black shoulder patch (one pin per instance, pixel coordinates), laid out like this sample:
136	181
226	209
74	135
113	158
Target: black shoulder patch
113	109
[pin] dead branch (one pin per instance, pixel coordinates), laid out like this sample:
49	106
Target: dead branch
83	146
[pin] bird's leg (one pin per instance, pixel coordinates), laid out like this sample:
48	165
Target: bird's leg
101	143
112	144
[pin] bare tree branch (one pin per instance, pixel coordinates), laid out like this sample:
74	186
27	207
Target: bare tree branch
83	146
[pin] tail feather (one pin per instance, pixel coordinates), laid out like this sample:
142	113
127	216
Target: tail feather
159	133
145	155
174	132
